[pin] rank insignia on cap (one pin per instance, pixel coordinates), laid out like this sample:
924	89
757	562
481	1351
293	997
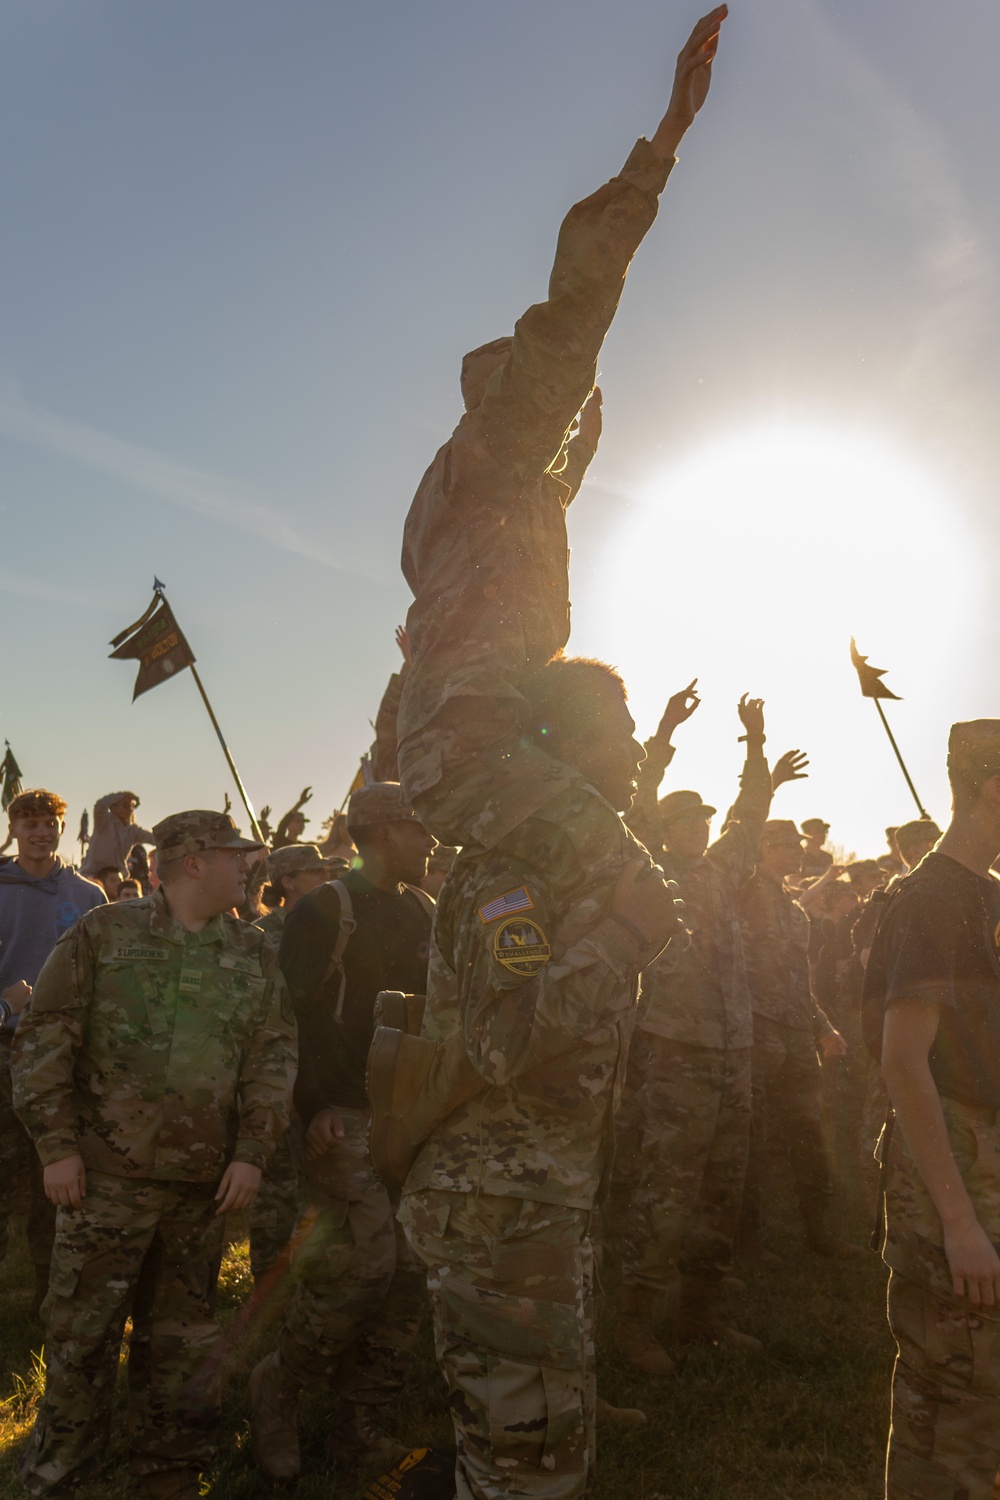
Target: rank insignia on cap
522	947
506	905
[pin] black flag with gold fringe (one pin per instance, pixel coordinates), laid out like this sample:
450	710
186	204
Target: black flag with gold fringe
157	642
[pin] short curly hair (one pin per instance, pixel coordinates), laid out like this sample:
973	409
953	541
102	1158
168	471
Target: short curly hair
36	803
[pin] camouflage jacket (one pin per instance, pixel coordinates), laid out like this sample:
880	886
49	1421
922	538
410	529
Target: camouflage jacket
155	1052
698	993
485	546
543	994
523	963
273	923
776	945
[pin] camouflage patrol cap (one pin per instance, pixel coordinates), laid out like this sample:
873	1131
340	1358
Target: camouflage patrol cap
291	858
815	825
381	802
195	831
676	805
974	750
917	830
781	831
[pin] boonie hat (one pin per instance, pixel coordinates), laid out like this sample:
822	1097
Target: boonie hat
381	802
684	805
781	831
193	832
290	859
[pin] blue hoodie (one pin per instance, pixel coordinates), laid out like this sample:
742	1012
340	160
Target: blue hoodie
34	914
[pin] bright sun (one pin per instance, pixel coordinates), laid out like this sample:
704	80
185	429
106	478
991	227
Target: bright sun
751	563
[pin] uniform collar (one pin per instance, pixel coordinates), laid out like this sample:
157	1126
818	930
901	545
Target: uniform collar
161	922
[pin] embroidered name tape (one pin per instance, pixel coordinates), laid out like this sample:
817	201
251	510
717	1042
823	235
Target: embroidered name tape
506	905
144	955
242	965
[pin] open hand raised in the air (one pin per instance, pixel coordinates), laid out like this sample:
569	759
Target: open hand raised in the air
692	78
791	767
751	712
680	706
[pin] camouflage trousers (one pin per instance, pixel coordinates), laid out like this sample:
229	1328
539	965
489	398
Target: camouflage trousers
787	1108
150	1245
944	1441
275	1211
510	1284
21	1189
696	1130
356	1309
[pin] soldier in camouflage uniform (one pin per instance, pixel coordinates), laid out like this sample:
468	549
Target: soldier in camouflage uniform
695	1093
788	1027
931	1008
293	871
152	1072
551	908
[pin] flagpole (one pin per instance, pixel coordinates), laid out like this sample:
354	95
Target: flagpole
229	759
902	764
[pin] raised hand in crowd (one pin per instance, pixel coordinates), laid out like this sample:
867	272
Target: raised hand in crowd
789	767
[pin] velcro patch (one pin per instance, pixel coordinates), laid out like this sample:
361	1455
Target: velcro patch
190	981
522	947
143	955
506	905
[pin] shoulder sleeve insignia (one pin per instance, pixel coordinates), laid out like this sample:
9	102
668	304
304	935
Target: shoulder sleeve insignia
506	905
521	946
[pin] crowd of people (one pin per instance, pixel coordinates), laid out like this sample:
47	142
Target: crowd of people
519	1008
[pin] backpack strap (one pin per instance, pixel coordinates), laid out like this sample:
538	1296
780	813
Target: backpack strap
345	927
427	902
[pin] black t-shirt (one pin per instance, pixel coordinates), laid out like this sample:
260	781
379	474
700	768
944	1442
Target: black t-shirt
386	951
939	940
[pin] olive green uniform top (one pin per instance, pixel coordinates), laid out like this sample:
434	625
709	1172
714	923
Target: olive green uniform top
154	1052
525	964
273	923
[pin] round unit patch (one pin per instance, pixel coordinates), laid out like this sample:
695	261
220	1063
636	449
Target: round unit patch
521	946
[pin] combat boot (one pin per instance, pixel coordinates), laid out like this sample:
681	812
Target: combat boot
413	1084
818	1237
274	1435
697	1321
358	1439
170	1484
634	1338
621	1418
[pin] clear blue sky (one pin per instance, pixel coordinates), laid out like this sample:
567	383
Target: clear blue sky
245	246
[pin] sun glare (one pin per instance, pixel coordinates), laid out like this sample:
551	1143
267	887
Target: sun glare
753	561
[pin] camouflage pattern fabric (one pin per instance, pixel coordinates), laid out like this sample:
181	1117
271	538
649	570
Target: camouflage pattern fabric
273	923
693	1156
356	1309
787	1110
698	993
914	1241
523	963
776	947
21	1190
511	1294
274	1212
151	1245
944	1441
155	1052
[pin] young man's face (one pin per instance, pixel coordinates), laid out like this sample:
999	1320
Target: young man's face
37	836
223	878
610	755
688	837
406	846
302	882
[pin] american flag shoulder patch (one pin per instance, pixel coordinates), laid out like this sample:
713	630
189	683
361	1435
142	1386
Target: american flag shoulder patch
503	906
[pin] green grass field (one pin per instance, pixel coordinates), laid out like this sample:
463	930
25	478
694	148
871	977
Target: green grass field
805	1419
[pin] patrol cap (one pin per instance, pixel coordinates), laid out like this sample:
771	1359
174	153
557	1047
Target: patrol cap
193	832
974	750
381	802
781	831
814	825
290	859
918	829
677	805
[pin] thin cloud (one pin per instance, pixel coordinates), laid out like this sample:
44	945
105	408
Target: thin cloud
157	474
35	588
